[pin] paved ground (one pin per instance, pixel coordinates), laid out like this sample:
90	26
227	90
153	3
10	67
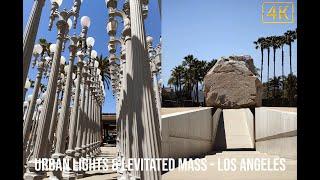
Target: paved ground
165	111
109	153
213	171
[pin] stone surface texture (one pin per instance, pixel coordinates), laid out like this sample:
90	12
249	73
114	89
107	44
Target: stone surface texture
232	83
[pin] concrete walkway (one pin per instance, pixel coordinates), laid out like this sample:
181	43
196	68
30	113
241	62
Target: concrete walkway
109	153
213	171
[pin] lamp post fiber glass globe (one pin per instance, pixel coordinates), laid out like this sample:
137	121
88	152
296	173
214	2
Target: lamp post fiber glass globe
37	49
90	41
59	2
85	21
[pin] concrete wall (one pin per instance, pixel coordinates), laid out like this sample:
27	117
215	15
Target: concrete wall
238	125
188	133
276	131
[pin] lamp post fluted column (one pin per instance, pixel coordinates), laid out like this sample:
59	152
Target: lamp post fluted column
88	117
32	105
142	93
45	117
85	110
64	114
73	121
81	126
54	118
29	35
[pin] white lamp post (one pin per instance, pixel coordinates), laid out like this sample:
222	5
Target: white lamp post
40	149
29	35
64	115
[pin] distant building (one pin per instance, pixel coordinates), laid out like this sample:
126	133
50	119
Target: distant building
168	89
108	126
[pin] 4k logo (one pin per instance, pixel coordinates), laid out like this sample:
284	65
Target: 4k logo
278	12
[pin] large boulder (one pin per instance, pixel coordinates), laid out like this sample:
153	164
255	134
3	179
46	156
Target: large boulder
232	83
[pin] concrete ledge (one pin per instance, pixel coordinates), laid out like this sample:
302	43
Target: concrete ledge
187	133
276	131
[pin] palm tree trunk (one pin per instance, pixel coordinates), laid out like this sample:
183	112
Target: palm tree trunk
290	57
268	73
261	64
197	92
282	61
274	71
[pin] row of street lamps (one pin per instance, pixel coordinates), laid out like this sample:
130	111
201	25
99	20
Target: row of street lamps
134	77
71	104
63	121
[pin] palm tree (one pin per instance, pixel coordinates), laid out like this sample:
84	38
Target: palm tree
172	81
189	63
176	73
275	45
290	37
199	68
261	43
267	46
282	41
104	66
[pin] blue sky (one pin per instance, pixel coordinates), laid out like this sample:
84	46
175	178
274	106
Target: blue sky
97	11
206	28
213	28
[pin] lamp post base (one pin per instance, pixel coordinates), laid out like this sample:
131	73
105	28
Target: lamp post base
31	173
57	157
70	174
33	176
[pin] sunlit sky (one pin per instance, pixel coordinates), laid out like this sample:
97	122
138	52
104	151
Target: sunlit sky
208	29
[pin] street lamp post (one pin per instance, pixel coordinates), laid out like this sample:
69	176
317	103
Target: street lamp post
30	144
27	105
27	123
27	85
73	121
37	51
64	116
85	104
54	118
25	108
155	65
140	86
44	121
29	34
120	81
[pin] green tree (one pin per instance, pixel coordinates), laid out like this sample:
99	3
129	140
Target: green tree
104	66
290	37
177	73
275	43
290	89
261	44
189	63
